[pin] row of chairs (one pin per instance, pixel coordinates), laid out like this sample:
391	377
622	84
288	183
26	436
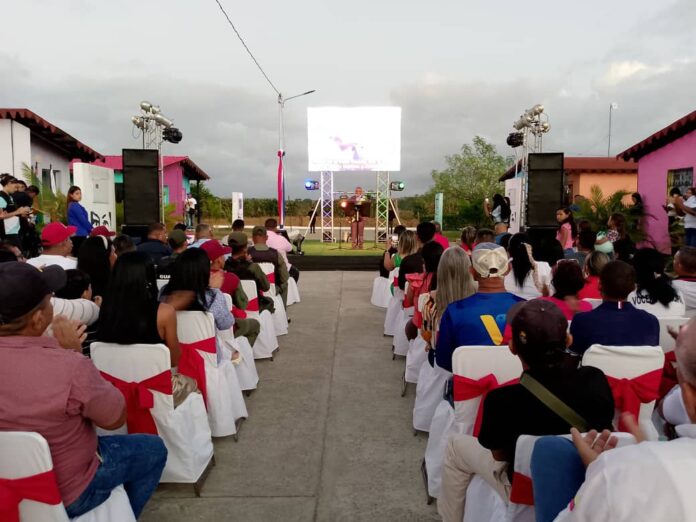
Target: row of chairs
142	372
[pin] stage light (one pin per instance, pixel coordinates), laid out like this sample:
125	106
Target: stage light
146	106
515	139
537	109
172	135
397	186
545	127
311	184
344	203
162	120
138	122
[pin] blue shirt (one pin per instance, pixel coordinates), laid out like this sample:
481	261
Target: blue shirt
613	326
463	324
77	217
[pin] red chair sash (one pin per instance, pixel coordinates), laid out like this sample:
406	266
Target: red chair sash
669	374
238	313
191	362
253	305
139	399
271	278
629	394
466	389
522	491
39	488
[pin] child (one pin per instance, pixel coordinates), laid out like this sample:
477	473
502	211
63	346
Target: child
567	231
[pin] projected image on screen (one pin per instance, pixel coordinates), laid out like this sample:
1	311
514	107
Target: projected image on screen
354	138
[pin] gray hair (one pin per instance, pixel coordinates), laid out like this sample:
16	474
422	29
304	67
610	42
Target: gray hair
454	280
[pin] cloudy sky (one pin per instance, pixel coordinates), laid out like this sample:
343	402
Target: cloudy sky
457	68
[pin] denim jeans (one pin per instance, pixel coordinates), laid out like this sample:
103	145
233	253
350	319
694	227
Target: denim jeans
136	461
690	237
557	474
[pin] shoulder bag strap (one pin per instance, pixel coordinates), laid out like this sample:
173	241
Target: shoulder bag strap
553	403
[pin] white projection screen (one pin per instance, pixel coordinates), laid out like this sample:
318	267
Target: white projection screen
354	139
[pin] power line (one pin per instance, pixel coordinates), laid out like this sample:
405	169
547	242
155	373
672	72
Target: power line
247	48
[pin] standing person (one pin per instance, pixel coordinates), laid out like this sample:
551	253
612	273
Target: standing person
357	223
499	212
688	207
77	217
238	225
96	257
190	209
10	213
438	237
637	210
685	268
567	231
57	247
585	246
24	197
670	206
155	244
312	215
615	239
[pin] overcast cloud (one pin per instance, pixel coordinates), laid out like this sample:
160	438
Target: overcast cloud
458	69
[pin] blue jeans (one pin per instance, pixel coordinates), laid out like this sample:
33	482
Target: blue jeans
136	461
557	474
690	237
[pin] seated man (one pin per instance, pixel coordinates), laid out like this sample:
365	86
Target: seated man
615	322
685	268
177	242
203	233
238	225
57	247
262	253
49	387
539	339
155	244
478	320
240	264
243	326
279	242
485	235
122	244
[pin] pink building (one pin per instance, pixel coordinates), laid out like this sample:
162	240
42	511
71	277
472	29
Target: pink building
178	173
665	160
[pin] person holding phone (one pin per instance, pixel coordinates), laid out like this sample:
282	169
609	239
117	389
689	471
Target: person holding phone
499	211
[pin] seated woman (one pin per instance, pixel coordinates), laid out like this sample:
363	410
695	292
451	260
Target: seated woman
131	314
654	292
468	239
387	263
422	284
96	257
594	263
567	282
408	252
527	277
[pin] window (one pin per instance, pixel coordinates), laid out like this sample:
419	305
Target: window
680	178
165	195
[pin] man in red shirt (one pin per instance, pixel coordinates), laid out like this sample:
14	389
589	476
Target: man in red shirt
439	238
47	386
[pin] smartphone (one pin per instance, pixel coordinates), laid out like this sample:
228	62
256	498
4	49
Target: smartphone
395	238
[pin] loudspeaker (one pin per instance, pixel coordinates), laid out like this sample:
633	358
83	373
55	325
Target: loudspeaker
544	188
141	197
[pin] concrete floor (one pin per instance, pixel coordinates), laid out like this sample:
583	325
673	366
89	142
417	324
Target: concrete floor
329	437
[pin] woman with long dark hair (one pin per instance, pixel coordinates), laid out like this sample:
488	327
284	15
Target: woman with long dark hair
499	212
96	257
77	217
567	230
527	277
567	281
654	291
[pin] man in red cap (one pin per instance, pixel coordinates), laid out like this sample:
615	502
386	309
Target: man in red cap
248	328
102	230
57	246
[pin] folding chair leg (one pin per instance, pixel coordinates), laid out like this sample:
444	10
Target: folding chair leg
403	384
424	472
198	485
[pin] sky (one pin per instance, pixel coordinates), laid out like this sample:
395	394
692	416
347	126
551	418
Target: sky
457	68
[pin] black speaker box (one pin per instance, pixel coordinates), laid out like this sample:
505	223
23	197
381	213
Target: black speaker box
141	196
544	188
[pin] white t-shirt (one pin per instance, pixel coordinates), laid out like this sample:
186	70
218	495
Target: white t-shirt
191	203
67	263
641	301
689	220
529	289
647	481
688	292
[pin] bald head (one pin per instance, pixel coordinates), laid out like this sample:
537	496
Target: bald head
686	351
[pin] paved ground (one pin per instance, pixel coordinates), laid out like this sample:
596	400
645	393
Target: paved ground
329	437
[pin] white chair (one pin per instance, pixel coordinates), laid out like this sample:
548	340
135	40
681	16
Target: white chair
225	401
630	362
429	390
161	283
470	362
381	294
416	349
26	454
666	340
293	292
394	308
280	317
184	430
267	341
244	365
400	344
594	302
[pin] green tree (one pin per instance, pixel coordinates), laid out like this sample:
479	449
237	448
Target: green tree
470	176
53	205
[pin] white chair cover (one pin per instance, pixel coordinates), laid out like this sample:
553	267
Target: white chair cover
415	358
184	430
483	503
440	428
280	316
244	366
429	391
24	454
225	399
628	362
394	308
594	302
666	340
401	343
267	341
381	294
293	292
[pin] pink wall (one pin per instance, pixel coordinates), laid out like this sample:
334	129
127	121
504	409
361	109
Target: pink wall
174	179
652	183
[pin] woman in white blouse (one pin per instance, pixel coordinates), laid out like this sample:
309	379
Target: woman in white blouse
527	278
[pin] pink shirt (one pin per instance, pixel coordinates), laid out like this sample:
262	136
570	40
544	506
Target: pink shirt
57	393
569	240
281	244
582	306
442	240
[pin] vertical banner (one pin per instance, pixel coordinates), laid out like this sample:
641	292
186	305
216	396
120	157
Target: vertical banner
439	202
237	205
98	193
513	190
281	190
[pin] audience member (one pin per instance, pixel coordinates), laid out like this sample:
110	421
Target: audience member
48	387
132	314
594	264
539	339
181	226
155	244
485	235
505	241
177	242
585	246
422	283
615	322
57	247
10	213
654	292
468	239
387	263
567	231
97	257
685	283
238	225
439	238
102	230
425	232
567	281
78	217
280	243
74	300
527	278
202	234
123	244
499	212
262	253
478	320
240	264
500	230
408	259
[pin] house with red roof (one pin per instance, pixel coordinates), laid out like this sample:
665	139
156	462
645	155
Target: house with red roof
665	159
178	173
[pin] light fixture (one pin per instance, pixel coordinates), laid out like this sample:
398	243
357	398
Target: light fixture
311	184
146	106
172	135
162	120
515	139
397	186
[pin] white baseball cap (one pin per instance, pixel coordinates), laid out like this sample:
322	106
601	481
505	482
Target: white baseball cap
490	260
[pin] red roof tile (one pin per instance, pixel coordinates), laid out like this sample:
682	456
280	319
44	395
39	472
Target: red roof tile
672	132
597	164
192	170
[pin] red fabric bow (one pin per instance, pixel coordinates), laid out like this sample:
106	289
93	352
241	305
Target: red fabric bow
253	305
271	278
522	491
191	362
466	389
238	313
139	399
39	488
629	394
669	374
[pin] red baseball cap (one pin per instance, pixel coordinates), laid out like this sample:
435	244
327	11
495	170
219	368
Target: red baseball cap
214	249
101	230
55	233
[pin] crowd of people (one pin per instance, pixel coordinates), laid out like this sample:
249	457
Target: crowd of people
85	283
549	299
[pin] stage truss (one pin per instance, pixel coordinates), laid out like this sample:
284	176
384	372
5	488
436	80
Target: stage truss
382	201
326	206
